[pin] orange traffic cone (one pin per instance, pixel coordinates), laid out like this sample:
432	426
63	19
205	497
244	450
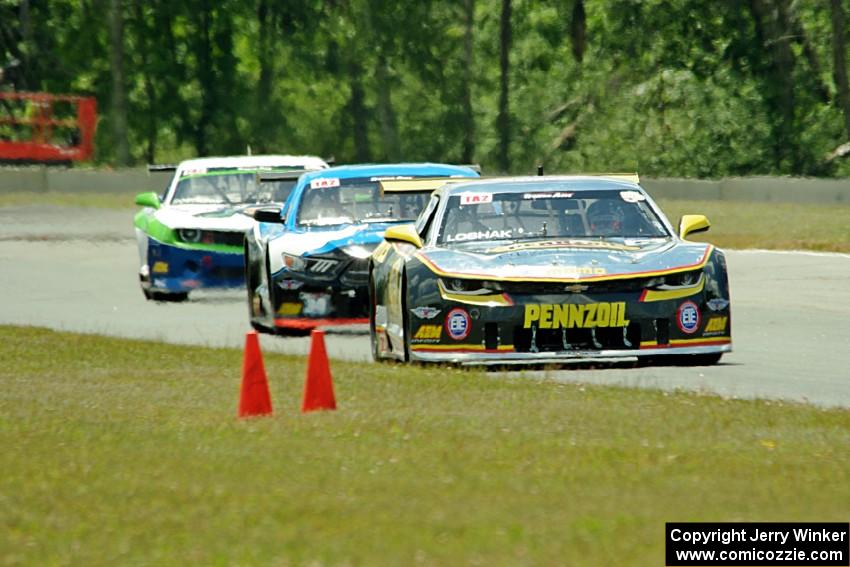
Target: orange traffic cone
254	398
318	386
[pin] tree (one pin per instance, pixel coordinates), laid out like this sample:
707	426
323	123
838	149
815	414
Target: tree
839	62
119	89
503	124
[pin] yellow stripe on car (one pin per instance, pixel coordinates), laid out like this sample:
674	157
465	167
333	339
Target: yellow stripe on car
600	278
663	295
485	300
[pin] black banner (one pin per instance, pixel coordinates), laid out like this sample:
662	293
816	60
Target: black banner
759	544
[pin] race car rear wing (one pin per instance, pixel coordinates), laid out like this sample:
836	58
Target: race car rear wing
630	177
269	176
162	167
419	183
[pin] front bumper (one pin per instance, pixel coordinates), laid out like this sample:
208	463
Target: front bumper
545	328
174	269
507	356
303	302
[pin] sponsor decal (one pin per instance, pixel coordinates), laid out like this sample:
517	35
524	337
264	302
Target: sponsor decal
289	285
194	171
389	177
290	309
716	325
688	317
565	243
475	198
159	282
579	270
426	312
324	182
571	315
160	267
717	304
428	333
481	235
632	196
576	288
458	324
316	304
556	195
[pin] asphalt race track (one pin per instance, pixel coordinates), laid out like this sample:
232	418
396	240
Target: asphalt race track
75	269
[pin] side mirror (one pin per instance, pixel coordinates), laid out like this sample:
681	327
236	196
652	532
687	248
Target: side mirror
268	215
689	224
148	200
403	233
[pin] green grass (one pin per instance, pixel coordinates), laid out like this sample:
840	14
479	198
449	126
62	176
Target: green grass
96	200
119	452
780	226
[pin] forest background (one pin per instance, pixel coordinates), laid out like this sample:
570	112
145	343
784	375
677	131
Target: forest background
672	88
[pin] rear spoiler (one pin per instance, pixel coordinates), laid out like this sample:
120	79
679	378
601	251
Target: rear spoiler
420	183
269	176
630	177
476	167
162	167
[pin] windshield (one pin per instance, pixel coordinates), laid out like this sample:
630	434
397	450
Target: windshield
357	200
479	216
230	188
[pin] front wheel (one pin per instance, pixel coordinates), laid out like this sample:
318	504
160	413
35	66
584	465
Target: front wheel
701	359
164	296
405	318
373	334
681	359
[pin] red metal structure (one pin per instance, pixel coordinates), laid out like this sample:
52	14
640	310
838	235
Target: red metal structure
46	128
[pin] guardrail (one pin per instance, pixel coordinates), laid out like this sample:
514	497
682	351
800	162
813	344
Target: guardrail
132	181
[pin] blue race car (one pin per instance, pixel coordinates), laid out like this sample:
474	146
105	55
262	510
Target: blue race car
307	262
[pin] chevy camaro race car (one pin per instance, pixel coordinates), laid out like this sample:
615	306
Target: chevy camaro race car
306	263
548	269
192	236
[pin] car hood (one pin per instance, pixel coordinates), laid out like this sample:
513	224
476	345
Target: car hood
567	259
316	242
207	217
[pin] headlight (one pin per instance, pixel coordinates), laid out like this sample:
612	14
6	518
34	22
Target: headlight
470	287
189	234
357	251
673	281
294	263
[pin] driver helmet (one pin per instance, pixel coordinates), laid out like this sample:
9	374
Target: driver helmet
606	217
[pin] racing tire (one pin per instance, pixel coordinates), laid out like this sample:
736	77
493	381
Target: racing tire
165	297
681	360
405	317
250	287
373	335
700	359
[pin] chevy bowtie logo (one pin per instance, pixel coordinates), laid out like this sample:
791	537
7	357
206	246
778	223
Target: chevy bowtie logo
576	288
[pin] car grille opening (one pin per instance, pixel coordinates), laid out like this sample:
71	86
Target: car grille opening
662	331
565	340
491	336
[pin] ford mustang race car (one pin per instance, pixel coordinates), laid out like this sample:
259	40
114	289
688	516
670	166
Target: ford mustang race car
306	263
191	236
548	269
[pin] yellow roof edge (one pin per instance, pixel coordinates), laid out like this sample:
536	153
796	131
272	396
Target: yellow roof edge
630	177
419	183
